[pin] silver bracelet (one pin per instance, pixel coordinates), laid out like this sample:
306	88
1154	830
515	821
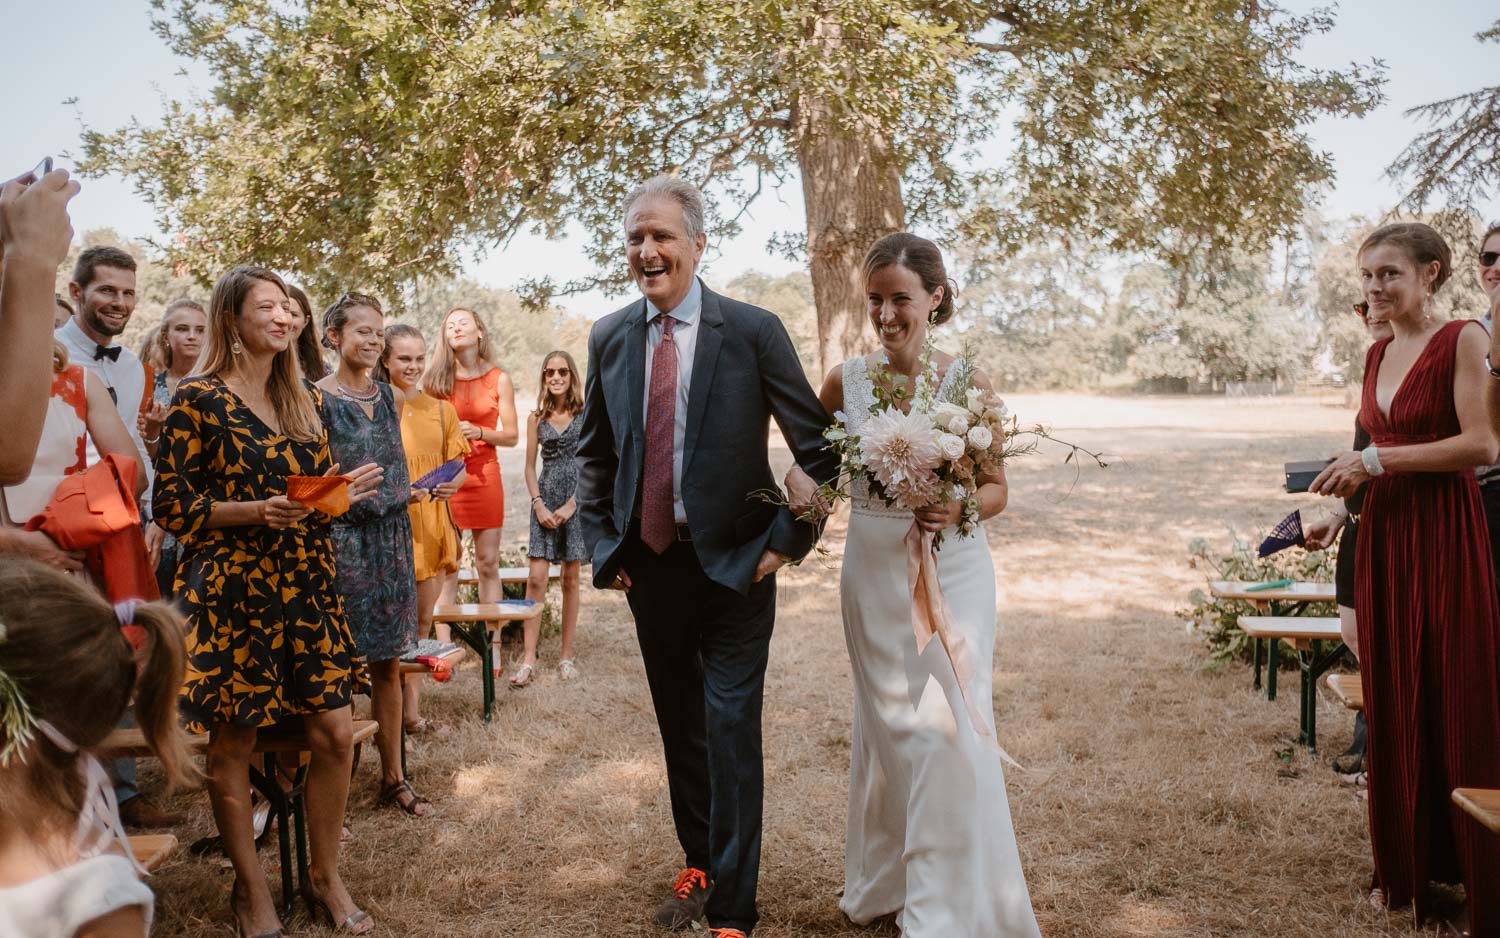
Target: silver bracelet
1370	456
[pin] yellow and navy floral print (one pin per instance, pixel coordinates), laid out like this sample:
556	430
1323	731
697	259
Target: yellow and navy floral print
267	638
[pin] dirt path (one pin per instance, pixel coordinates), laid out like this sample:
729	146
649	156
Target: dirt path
1154	802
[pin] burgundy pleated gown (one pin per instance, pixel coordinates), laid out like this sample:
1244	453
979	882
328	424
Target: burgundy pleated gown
1429	651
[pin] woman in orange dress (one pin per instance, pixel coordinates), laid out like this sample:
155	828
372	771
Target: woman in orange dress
464	373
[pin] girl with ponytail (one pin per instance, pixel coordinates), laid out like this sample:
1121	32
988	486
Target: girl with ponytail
67	672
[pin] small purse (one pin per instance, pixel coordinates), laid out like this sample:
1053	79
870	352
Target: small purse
1300	475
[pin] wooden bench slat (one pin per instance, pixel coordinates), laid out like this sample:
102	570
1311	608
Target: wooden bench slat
1482	803
508	575
131	742
1304	592
1348	690
486	612
152	850
1305	628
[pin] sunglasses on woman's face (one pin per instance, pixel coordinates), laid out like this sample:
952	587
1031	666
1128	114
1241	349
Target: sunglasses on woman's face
559	372
1363	309
1488	258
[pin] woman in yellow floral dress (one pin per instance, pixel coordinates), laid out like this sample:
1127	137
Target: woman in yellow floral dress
267	638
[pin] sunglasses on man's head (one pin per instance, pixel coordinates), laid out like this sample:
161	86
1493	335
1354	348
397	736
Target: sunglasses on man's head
1488	258
559	372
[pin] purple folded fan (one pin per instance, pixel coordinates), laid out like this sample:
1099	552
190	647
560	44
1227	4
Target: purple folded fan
1286	534
447	472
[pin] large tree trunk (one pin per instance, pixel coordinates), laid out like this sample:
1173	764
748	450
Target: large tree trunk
851	186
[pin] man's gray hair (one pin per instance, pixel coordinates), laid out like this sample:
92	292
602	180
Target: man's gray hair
676	188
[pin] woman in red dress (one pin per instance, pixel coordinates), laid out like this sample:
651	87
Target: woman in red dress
464	373
1425	592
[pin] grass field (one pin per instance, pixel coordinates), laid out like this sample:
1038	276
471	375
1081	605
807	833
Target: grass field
1159	796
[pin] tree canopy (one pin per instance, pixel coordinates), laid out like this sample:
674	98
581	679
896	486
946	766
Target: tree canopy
378	141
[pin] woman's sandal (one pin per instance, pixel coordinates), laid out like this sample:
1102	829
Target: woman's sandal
523	676
425	726
403	796
567	670
349	926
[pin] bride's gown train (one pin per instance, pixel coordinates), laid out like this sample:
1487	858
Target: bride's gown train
929	829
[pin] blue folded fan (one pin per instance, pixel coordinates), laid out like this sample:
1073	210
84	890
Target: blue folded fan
1286	534
447	472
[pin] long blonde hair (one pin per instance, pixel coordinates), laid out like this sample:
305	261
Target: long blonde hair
444	368
292	401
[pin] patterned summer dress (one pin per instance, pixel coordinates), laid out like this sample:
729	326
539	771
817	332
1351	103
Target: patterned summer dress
372	541
557	483
166	568
267	638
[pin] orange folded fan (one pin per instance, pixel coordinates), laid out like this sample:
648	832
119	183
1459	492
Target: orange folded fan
328	494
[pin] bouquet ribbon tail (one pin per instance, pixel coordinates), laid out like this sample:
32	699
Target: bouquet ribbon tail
930	617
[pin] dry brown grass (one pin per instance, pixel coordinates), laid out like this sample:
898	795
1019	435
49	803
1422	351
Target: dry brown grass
1154	802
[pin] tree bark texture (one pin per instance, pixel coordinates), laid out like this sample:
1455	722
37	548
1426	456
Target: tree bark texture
851	187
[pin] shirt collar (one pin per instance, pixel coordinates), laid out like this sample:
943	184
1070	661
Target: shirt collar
73	333
686	312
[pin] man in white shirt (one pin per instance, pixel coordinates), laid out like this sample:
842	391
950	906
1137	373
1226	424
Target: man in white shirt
103	291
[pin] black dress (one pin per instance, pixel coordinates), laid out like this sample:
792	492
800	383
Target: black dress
1343	572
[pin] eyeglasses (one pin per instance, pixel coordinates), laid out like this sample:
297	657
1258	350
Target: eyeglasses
1362	309
1488	258
559	372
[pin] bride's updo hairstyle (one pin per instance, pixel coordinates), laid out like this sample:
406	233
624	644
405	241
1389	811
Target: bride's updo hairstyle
922	258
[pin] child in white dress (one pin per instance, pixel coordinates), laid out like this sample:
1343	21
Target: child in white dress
68	667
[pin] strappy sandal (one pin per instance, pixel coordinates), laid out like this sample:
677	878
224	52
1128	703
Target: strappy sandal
523	676
567	670
403	796
424	726
349	926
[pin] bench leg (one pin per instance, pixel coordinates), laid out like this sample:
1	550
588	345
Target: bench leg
476	637
1273	664
1256	653
268	782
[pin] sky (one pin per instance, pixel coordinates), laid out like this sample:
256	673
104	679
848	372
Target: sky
114	68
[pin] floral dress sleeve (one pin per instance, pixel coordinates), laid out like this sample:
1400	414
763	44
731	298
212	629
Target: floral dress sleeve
180	500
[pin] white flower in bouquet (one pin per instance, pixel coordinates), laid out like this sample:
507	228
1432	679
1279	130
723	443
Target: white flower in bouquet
980	437
901	451
951	445
951	417
975	399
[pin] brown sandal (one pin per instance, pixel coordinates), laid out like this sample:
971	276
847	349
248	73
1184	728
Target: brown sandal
403	796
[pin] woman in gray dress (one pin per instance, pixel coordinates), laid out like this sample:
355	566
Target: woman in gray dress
556	535
372	542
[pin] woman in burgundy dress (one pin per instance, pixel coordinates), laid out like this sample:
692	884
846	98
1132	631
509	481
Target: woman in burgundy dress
1425	592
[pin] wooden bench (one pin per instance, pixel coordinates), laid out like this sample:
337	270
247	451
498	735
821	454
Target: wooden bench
472	623
1347	690
1302	633
509	576
1291	599
411	668
1482	803
286	804
152	850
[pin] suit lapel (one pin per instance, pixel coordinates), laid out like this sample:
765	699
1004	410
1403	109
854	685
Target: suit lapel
635	370
705	358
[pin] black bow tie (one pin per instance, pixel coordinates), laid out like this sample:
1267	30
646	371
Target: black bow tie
111	352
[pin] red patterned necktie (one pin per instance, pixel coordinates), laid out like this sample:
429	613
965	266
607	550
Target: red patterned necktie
658	521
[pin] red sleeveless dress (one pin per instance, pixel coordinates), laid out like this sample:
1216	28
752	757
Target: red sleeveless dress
1429	653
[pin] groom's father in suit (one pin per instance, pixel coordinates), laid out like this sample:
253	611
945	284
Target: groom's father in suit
682	386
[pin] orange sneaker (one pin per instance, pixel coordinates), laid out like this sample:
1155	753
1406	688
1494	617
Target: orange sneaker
685	905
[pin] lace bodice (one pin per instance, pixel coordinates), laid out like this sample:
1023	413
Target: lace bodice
859	397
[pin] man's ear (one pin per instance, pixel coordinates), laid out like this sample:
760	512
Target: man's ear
76	293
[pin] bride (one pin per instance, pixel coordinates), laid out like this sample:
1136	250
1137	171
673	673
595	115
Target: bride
929	831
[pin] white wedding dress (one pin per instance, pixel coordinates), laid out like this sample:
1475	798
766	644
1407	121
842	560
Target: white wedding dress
929	831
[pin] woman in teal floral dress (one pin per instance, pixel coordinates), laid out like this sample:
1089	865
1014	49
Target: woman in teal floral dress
372	542
267	639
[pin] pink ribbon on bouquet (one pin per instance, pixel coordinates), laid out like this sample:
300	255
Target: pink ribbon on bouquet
930	617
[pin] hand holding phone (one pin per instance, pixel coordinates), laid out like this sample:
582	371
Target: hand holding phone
34	174
34	215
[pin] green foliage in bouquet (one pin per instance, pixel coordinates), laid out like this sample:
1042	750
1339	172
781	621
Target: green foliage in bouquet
1216	621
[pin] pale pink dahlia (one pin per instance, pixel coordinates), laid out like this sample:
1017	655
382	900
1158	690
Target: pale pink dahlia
901	450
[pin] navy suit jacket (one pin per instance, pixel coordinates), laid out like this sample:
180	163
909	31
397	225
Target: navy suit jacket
745	373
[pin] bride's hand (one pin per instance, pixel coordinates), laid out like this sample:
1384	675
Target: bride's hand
802	494
935	518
